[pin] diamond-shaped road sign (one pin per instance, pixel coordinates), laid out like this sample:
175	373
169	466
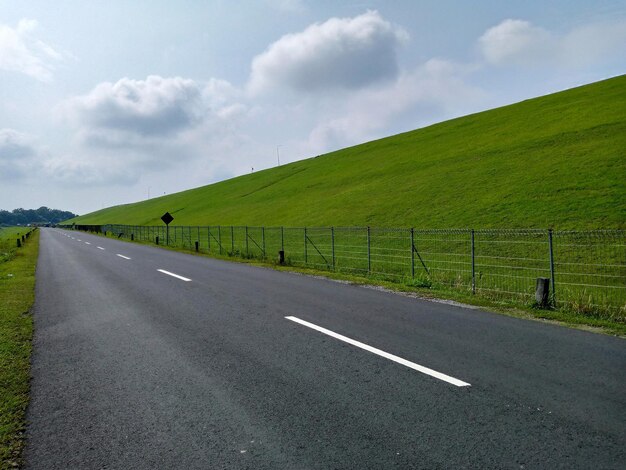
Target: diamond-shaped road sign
167	218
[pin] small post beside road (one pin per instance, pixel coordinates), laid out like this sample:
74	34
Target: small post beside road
281	257
542	292
19	243
197	245
157	240
305	253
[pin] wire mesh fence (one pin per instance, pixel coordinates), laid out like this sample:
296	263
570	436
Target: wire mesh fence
586	269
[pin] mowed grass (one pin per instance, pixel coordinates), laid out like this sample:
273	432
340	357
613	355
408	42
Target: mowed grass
555	161
17	294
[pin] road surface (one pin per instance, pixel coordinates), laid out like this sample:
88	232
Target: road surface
149	358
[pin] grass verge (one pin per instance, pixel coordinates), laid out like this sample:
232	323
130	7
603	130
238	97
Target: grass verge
17	294
415	288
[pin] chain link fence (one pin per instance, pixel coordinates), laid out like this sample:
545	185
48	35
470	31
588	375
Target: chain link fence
587	269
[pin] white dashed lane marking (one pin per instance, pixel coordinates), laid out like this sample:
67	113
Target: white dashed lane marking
386	355
174	275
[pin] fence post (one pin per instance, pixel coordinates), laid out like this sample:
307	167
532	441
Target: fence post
369	251
208	238
263	238
473	265
219	237
552	267
332	244
246	240
306	260
232	239
412	252
282	238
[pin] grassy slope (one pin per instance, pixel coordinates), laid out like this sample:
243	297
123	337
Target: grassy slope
555	161
17	285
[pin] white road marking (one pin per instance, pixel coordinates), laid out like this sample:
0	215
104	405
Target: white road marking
100	248
174	275
122	256
87	243
78	240
391	357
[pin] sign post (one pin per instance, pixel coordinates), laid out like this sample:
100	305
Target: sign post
167	218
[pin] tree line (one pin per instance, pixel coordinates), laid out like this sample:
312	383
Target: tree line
43	215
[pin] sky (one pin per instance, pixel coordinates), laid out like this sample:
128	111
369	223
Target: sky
110	102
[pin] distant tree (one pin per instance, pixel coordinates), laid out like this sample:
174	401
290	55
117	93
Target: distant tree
43	215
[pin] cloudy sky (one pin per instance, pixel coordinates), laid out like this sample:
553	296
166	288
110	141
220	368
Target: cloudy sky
108	102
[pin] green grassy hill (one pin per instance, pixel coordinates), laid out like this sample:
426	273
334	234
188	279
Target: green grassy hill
555	161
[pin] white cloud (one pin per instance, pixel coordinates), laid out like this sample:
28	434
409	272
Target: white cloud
341	53
134	127
152	114
153	107
21	52
518	42
17	154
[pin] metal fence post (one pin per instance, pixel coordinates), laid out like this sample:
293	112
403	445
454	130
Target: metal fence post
219	237
306	259
473	265
208	238
332	244
232	239
369	250
552	266
263	239
246	239
282	238
412	252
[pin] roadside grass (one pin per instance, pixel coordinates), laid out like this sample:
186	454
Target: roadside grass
554	161
425	288
8	241
17	294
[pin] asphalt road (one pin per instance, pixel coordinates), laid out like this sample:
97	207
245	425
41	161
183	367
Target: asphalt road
136	368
